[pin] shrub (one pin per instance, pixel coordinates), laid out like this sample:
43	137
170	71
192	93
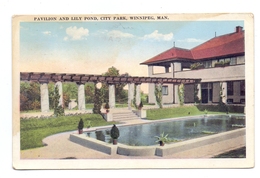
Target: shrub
196	66
81	124
114	132
158	94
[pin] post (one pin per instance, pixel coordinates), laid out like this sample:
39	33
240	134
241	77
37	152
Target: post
199	91
130	95
81	97
44	97
176	94
224	92
112	98
138	94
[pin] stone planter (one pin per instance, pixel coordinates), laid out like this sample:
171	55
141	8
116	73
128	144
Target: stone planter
108	116
140	113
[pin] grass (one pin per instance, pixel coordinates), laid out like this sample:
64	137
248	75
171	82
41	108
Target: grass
238	153
155	114
33	131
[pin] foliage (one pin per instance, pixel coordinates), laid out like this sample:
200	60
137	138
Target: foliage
162	138
141	105
114	133
181	93
30	96
217	108
106	106
134	98
81	124
58	109
33	131
97	101
158	95
222	63
196	65
88	125
120	93
70	91
144	97
196	91
89	92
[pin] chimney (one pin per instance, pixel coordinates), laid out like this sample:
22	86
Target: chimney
239	29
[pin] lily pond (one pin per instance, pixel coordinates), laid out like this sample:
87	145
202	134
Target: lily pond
177	129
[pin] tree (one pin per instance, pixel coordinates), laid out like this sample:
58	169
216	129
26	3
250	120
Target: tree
181	93
30	96
89	92
58	109
120	93
158	95
97	101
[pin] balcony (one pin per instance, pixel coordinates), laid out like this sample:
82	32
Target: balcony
227	73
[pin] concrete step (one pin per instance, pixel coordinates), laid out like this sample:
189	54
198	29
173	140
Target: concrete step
126	115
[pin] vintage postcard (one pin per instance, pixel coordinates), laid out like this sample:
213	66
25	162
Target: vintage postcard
131	91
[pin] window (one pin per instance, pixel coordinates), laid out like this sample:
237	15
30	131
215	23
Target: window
242	88
230	88
233	61
165	90
214	62
208	64
227	60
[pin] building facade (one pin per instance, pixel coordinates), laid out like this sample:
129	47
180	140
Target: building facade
218	62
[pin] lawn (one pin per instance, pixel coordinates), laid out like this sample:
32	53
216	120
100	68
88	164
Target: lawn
154	114
238	153
33	131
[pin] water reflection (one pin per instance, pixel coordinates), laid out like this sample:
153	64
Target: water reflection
138	135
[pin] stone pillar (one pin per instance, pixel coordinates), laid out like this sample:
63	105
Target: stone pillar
130	95
199	91
172	69
224	92
138	94
59	85
150	71
44	97
112	98
81	97
176	94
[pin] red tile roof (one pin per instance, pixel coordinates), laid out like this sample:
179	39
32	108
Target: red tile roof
221	46
225	45
171	54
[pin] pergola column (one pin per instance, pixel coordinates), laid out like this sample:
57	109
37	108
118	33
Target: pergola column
176	94
81	97
130	95
112	98
224	92
59	85
138	94
199	91
44	97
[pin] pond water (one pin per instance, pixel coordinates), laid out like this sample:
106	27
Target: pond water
178	130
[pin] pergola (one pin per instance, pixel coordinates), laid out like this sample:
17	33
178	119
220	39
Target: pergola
84	78
80	79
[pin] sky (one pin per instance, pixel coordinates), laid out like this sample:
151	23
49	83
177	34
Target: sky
93	47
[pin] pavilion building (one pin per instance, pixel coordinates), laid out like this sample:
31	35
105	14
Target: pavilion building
218	62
